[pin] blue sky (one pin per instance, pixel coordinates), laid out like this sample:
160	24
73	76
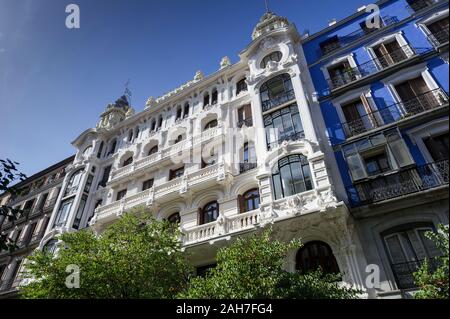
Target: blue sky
54	82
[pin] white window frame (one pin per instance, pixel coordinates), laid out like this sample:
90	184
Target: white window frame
354	95
398	36
409	74
423	23
417	135
350	58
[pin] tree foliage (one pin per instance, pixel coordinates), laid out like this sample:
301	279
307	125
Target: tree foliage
137	257
433	284
9	174
252	268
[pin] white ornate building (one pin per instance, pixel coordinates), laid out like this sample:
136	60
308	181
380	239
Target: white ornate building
177	159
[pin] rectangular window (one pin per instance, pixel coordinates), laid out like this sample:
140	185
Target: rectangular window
147	184
330	45
121	194
176	173
88	185
377	154
79	215
63	212
105	176
438	146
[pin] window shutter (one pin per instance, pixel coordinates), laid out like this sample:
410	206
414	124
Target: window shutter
241	204
417	245
356	167
400	152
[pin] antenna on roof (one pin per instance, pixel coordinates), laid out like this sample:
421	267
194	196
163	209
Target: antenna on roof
267	5
127	92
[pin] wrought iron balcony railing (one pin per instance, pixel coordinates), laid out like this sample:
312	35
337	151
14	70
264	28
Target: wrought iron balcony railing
354	36
373	66
439	38
278	100
247	122
417	5
396	112
286	137
246	167
404	272
398	184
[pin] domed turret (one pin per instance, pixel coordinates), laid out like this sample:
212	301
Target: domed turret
115	113
269	22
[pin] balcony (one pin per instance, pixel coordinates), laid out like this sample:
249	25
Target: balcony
399	184
247	123
396	112
228	226
418	5
162	192
286	137
371	67
166	153
246	167
439	38
354	36
404	272
278	100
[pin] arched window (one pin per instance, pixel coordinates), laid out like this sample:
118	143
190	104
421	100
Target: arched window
291	175
174	218
74	182
274	57
153	125
249	201
241	86
179	113
100	150
160	121
136	133
209	213
214	97
206	99
276	91
316	255
186	110
128	161
211	124
130	135
87	151
153	150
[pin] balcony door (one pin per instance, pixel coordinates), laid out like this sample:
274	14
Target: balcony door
407	247
438	146
341	74
358	117
439	31
415	95
389	54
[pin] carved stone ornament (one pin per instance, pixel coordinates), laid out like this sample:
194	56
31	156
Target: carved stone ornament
225	62
267	44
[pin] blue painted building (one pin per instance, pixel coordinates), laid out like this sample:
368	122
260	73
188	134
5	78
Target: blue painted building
383	92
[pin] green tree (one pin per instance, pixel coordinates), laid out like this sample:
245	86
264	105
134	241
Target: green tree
9	174
252	268
433	283
137	257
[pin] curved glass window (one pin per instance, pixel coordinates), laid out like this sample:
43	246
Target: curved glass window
250	201
174	218
74	182
283	125
276	91
274	57
291	175
209	213
316	255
